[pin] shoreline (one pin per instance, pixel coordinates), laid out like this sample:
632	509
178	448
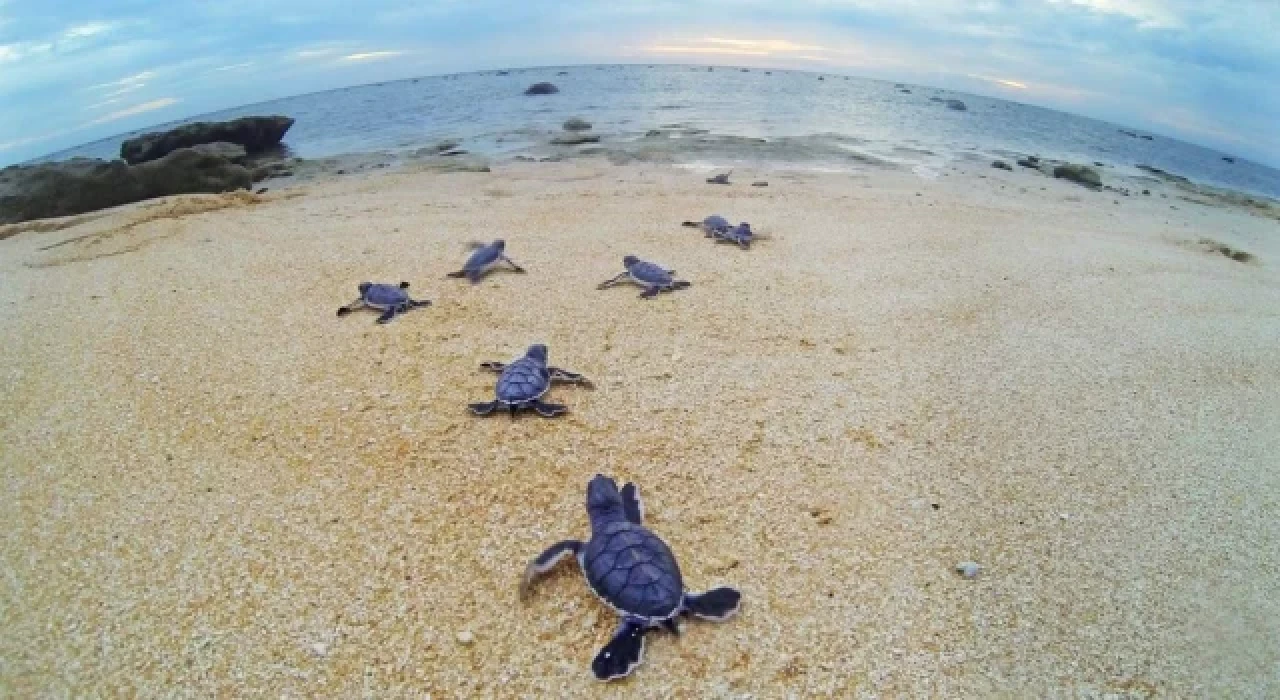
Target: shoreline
218	485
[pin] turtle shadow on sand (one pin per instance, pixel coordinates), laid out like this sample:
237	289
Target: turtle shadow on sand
631	570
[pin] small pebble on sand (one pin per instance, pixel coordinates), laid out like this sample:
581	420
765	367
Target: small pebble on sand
465	638
968	569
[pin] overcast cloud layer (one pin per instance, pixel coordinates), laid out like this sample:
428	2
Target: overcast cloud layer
73	71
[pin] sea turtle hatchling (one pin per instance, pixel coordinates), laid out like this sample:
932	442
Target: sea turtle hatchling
654	278
390	299
710	225
485	258
632	571
740	234
523	383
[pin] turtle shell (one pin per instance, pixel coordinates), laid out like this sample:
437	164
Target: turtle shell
633	571
523	380
385	295
649	273
483	257
715	221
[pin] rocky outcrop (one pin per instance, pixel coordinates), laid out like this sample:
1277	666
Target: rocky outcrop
541	89
255	134
233	152
1080	174
84	184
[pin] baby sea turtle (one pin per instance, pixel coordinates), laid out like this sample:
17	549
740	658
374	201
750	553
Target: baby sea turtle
390	299
654	278
632	571
709	225
485	258
721	179
740	234
523	383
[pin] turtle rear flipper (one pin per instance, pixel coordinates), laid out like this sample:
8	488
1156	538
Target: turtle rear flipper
456	275
716	604
493	366
622	654
692	224
680	284
484	409
389	314
548	410
547	561
563	375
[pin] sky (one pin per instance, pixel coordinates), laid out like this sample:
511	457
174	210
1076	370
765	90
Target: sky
1205	71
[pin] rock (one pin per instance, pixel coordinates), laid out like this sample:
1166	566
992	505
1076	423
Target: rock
442	146
270	170
572	139
1147	192
233	152
936	99
320	649
957	105
466	638
721	179
1029	162
904	91
577	124
542	89
254	133
82	185
1229	159
968	569
503	72
1148	137
652	133
1100	164
1081	174
760	183
1001	165
563	72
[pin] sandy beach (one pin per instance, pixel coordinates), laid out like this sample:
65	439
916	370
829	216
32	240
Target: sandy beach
214	487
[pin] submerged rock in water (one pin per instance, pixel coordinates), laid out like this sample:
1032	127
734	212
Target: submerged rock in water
82	185
572	139
1081	174
541	89
957	105
1001	165
577	124
255	134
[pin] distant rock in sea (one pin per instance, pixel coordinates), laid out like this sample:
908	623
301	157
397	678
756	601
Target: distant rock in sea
256	134
1001	165
577	124
957	105
542	89
1080	174
1229	159
82	185
575	138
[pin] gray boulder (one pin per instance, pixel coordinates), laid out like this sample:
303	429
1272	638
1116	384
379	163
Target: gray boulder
255	134
233	152
87	184
1079	174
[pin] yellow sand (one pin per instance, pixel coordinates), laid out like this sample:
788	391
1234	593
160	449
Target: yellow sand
213	487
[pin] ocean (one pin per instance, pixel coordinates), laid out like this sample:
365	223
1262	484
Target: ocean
720	117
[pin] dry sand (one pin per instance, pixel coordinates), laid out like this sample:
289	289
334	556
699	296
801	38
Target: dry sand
213	487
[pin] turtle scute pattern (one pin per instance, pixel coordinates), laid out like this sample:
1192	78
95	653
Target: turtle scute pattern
633	571
523	380
649	272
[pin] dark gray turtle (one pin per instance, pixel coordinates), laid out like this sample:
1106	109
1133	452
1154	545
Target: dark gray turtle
740	234
654	278
523	383
390	299
485	258
721	179
633	572
710	225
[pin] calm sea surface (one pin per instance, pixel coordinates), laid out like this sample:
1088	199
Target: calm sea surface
825	120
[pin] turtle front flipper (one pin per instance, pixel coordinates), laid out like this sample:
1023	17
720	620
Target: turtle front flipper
680	284
416	304
650	292
513	264
622	654
458	274
357	304
547	561
716	604
564	375
631	503
484	409
548	410
609	283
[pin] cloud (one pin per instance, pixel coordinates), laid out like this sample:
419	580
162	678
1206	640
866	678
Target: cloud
83	31
371	56
136	110
739	47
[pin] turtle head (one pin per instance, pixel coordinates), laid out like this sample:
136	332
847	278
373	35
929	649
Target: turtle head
630	260
604	503
364	286
537	351
499	245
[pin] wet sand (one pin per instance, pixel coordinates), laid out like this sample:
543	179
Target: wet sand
216	488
